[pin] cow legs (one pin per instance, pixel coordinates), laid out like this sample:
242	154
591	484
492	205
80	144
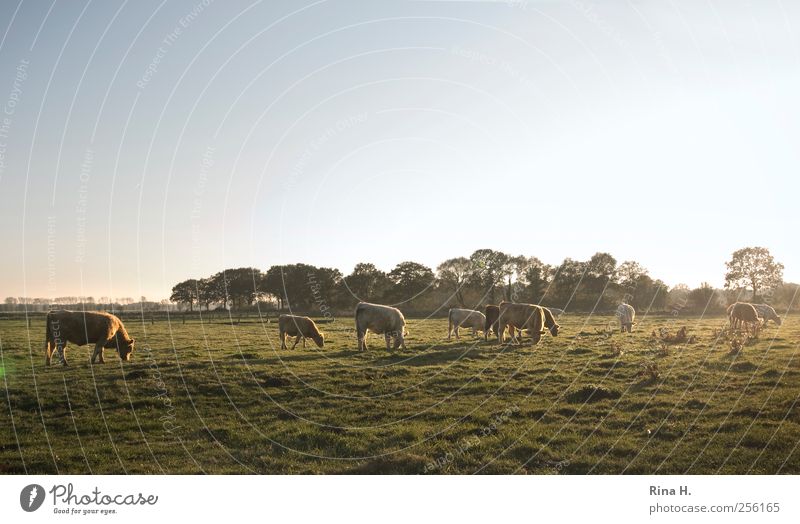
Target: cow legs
61	350
296	340
455	328
283	339
98	351
388	338
48	352
449	328
362	340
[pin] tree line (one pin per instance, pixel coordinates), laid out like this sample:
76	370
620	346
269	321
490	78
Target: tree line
485	277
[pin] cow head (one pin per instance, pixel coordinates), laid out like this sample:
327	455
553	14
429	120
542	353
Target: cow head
319	339
554	329
778	320
125	348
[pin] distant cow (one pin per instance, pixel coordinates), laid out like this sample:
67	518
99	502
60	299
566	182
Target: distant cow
299	327
468	318
86	327
744	314
767	313
626	315
521	316
385	320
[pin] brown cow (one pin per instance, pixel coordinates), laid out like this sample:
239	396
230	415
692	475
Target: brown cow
104	330
521	316
492	313
742	313
300	327
549	322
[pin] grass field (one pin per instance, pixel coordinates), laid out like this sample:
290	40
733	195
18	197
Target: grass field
222	398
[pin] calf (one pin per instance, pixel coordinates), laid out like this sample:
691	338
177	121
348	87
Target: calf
299	327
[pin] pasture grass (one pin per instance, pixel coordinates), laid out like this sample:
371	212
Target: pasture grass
223	398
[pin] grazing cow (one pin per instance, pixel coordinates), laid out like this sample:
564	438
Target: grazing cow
521	316
385	320
301	328
767	313
744	314
626	315
86	327
469	318
550	321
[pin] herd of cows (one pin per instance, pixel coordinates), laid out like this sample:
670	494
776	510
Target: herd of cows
105	330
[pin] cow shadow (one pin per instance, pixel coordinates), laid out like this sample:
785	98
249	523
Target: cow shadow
439	355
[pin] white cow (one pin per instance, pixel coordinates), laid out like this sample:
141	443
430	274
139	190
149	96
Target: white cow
383	320
469	318
767	313
626	315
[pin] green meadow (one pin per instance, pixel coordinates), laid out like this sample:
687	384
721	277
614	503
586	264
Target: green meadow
221	397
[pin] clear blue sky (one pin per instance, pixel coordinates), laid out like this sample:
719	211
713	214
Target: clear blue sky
149	142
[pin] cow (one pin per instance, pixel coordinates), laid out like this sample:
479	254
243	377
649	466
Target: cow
492	313
301	328
744	314
626	315
549	323
457	318
104	330
379	319
521	316
767	313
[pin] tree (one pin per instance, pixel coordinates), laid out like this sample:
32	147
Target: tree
628	274
185	293
409	279
568	276
207	292
703	298
535	280
453	275
243	285
488	269
754	267
366	282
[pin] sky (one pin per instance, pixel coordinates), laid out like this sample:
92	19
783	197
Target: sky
144	143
